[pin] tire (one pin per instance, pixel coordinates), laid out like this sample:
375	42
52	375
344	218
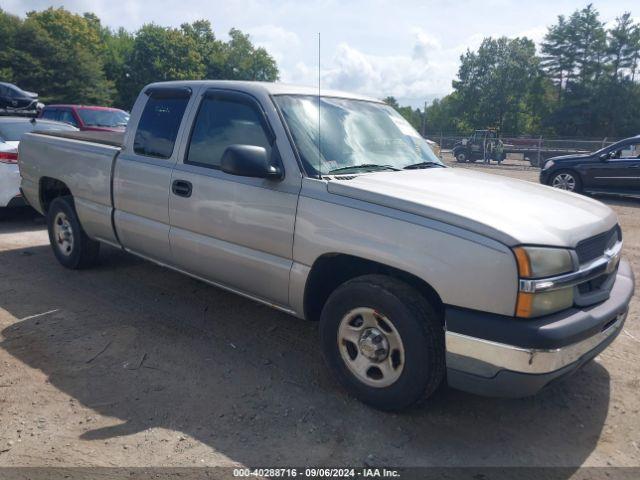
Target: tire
566	180
70	244
364	308
461	157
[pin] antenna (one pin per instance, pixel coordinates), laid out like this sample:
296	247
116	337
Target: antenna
319	106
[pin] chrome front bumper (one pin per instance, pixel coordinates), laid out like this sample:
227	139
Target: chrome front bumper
485	366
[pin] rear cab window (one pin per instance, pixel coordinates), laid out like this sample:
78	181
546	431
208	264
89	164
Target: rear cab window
160	121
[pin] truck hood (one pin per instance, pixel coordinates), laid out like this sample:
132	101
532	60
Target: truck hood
508	210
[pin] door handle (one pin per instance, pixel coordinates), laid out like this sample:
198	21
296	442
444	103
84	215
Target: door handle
182	188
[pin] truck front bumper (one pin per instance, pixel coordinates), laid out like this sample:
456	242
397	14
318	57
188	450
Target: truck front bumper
509	357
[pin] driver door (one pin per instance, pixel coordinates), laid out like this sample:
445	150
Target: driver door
231	230
621	171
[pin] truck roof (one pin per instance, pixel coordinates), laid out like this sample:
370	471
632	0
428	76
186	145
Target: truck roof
271	88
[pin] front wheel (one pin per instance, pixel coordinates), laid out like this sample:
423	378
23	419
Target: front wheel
71	245
383	341
566	180
461	157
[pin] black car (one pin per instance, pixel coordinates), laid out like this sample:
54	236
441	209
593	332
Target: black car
13	99
613	169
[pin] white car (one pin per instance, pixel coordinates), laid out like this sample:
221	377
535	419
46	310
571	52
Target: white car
11	130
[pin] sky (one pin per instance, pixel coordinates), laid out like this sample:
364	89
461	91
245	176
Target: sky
406	49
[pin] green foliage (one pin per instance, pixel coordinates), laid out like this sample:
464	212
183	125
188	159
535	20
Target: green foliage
70	58
414	116
493	84
55	53
583	83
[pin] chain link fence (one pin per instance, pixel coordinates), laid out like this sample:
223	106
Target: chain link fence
531	148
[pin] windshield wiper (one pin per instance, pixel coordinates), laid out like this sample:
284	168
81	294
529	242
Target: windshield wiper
415	166
364	166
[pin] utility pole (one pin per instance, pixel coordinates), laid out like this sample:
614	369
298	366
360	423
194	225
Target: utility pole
424	120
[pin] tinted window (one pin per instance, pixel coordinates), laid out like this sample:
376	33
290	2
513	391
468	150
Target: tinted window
103	118
158	126
14	92
223	122
631	150
50	114
67	117
12	132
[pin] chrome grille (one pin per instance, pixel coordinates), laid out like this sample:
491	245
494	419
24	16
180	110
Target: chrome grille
594	247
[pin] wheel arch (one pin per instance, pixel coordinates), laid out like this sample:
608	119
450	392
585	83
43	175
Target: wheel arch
49	189
331	270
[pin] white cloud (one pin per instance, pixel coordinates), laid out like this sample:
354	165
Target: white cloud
408	49
414	76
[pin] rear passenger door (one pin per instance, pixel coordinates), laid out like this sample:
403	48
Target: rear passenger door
231	230
142	173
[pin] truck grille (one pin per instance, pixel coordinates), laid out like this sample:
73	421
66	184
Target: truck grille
596	289
594	247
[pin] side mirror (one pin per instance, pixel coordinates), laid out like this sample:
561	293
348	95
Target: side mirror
248	161
604	157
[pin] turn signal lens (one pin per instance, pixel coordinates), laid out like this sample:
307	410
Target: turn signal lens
524	264
532	305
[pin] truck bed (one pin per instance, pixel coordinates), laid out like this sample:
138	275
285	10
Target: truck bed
83	162
113	139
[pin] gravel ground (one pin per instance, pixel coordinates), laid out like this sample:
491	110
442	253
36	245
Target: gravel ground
131	364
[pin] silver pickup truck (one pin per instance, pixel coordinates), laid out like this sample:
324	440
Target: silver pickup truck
332	208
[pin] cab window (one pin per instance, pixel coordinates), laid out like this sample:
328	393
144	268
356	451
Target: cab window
67	117
159	124
51	114
221	122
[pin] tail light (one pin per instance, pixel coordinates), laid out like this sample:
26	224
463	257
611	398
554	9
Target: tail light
8	157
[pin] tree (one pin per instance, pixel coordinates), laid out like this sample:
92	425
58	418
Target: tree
621	49
414	116
559	58
57	54
75	59
493	82
160	54
443	115
594	96
238	59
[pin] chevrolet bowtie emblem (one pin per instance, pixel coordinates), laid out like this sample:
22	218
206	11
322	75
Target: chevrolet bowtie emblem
613	259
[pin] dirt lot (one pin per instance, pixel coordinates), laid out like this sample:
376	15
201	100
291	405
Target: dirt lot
131	364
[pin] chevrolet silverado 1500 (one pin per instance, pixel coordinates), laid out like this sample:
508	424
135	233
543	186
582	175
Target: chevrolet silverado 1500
332	208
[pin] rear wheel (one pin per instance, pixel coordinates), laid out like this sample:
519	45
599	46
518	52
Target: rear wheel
383	341
70	244
566	180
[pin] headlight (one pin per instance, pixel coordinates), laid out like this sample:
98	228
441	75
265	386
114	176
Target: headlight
548	164
541	262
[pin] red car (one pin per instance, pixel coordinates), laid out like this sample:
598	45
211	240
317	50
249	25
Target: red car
102	119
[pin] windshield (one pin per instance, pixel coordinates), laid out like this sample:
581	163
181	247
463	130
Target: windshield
12	132
355	135
103	118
